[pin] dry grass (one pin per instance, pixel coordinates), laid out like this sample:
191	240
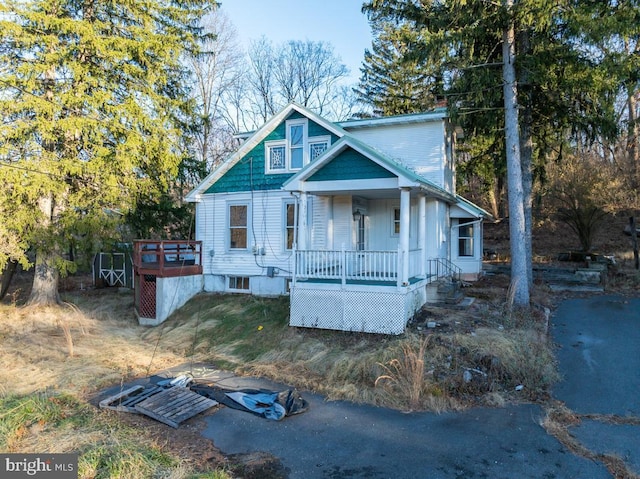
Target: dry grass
54	361
107	348
406	379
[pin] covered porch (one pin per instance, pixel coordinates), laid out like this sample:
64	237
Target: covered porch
370	236
361	290
378	278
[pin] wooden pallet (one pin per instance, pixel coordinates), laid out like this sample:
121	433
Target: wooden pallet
126	400
174	405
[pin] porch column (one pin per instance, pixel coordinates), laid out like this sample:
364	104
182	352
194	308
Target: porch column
422	233
330	223
405	215
302	222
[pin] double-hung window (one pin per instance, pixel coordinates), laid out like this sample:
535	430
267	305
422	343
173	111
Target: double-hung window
465	237
290	225
295	137
238	226
395	224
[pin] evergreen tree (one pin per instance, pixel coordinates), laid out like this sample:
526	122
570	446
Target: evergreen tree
393	80
94	108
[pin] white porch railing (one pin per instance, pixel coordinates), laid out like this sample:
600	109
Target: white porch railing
370	266
346	265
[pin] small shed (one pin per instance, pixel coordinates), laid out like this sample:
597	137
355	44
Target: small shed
114	268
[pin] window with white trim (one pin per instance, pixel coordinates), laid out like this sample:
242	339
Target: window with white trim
317	146
238	226
465	237
395	225
239	283
290	224
296	132
276	154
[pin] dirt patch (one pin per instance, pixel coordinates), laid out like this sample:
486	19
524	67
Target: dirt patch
186	441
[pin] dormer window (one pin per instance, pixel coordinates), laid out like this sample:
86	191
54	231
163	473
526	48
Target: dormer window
296	150
295	137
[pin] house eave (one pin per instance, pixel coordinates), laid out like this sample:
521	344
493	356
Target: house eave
436	115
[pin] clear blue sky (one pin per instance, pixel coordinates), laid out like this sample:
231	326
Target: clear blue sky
338	22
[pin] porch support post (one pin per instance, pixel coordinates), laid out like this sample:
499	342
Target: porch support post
302	222
330	223
405	210
422	233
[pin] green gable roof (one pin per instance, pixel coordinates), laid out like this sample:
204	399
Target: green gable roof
350	165
249	173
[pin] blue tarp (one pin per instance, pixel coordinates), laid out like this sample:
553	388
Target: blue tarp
268	404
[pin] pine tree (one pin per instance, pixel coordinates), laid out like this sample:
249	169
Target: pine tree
94	106
393	81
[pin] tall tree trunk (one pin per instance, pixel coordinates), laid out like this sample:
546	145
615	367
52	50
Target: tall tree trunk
45	281
526	153
517	227
7	276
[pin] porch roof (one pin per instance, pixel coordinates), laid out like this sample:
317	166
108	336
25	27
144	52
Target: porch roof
387	173
470	208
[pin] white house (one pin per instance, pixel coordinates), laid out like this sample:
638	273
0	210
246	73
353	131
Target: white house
352	219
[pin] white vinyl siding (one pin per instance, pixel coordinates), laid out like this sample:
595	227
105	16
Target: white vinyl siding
265	231
321	223
342	223
420	147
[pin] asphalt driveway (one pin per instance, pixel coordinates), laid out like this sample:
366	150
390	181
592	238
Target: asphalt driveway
599	356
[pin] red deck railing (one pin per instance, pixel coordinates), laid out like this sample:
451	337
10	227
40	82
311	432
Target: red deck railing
167	258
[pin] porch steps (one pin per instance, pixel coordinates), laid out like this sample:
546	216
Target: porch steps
445	291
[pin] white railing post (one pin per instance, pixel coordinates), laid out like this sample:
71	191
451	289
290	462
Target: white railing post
399	267
343	262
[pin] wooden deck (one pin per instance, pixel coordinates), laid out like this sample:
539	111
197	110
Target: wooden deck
168	258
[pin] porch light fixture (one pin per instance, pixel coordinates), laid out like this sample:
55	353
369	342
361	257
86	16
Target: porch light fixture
357	215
